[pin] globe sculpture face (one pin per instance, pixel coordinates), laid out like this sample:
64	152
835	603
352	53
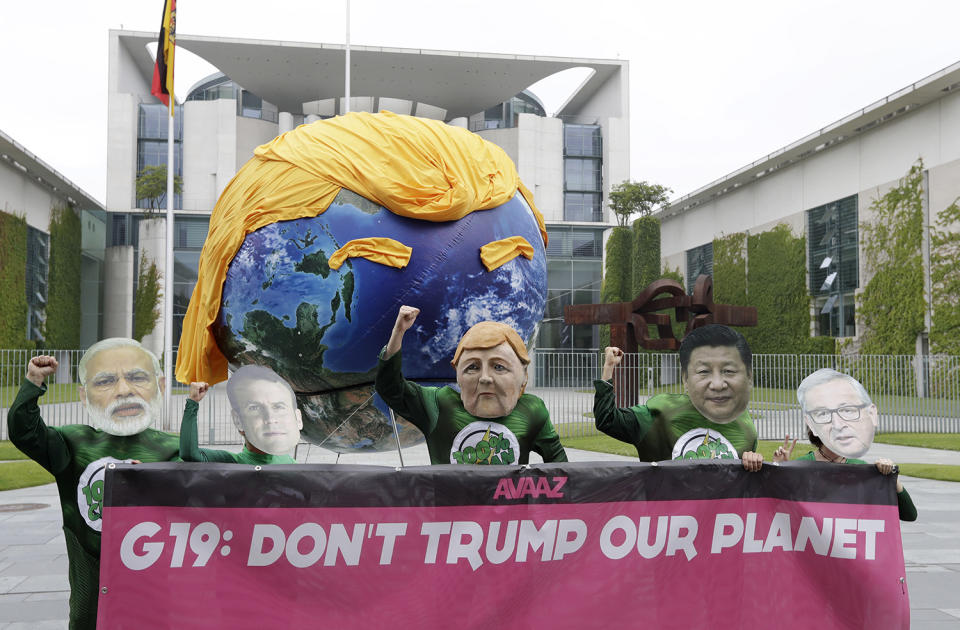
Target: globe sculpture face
322	329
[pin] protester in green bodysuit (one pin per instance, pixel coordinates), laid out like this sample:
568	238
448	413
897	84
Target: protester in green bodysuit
121	386
264	409
490	420
841	420
709	421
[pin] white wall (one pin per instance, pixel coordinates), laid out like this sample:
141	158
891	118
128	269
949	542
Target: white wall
536	147
118	291
863	165
251	133
209	151
21	195
126	89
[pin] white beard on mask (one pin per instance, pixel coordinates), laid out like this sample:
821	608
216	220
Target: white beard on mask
102	418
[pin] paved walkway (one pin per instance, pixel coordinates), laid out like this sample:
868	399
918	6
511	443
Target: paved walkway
33	559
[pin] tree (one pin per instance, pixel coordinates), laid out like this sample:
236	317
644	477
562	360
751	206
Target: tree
629	197
146	299
152	186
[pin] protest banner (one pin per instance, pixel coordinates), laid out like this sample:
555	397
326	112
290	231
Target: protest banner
699	544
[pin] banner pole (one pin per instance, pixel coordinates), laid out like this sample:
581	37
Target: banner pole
396	435
168	281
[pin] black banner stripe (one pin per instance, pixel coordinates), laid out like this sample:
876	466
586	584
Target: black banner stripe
337	485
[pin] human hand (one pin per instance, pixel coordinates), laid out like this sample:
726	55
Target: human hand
752	462
39	368
198	391
885	466
785	450
612	356
405	318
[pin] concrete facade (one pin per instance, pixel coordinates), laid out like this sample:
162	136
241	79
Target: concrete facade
864	154
31	188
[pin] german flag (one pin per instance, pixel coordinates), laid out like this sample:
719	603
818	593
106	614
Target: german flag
163	70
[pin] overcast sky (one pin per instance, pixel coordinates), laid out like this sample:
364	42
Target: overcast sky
713	85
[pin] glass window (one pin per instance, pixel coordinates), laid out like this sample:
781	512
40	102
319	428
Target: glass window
582	140
38	256
833	265
574	243
832	247
191	231
154	153
153	122
581	174
699	261
581	206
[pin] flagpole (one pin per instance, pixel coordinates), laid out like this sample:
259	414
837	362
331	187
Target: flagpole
168	280
346	81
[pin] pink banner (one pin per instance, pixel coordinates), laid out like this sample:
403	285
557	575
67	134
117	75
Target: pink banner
691	563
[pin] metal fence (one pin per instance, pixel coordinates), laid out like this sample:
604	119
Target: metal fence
61	404
912	393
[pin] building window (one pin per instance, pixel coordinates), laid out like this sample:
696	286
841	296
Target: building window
189	235
699	262
574	276
252	106
833	265
581	175
582	140
582	206
152	143
38	256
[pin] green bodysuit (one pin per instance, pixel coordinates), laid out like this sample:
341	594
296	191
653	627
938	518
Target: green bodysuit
456	437
77	455
670	427
908	511
190	450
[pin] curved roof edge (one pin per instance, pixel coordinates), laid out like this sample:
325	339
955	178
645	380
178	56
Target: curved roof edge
289	74
18	156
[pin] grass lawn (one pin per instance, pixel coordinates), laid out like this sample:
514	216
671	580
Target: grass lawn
24	474
56	393
948	441
9	451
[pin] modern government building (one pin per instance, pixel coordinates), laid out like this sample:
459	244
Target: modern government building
569	160
264	88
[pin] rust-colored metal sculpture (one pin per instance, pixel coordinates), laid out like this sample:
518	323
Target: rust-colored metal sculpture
630	321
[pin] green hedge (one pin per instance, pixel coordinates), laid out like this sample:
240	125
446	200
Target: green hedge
891	306
945	275
646	254
146	299
617	276
768	271
730	269
62	328
13	280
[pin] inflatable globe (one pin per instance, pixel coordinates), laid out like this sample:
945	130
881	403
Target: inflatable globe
322	329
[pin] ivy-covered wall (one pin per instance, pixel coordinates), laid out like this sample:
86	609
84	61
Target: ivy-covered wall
890	309
646	254
13	279
730	269
62	328
945	281
617	274
768	271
